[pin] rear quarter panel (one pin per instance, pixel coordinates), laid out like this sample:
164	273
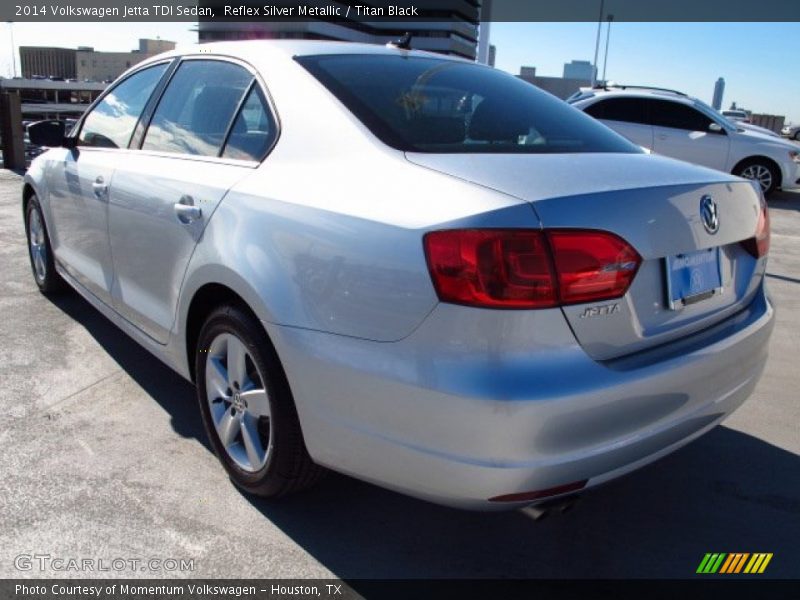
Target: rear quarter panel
337	246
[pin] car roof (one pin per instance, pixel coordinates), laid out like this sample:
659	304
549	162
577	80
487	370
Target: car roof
632	91
256	51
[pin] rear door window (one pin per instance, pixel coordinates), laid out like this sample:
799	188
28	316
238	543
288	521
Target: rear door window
197	108
676	115
254	129
628	110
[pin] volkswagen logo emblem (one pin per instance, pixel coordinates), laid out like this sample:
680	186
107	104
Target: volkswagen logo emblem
709	214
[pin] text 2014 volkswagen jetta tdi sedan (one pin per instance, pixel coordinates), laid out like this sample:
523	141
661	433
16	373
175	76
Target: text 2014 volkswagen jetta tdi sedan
416	270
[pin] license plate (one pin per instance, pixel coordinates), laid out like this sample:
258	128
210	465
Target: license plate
692	277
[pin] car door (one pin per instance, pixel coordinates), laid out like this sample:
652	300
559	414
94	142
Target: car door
681	131
210	128
626	116
78	181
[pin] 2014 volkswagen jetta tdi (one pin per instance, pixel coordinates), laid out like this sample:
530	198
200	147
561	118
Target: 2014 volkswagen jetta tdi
413	269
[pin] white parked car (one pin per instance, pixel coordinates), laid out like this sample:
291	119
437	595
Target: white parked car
750	127
673	124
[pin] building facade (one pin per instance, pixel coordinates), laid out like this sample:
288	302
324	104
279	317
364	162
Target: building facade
579	69
41	61
85	63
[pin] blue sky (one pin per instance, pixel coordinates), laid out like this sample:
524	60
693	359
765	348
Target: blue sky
759	61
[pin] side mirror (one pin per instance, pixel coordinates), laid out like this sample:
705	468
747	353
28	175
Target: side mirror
716	128
47	133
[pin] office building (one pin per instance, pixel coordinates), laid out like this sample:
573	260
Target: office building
579	69
719	91
47	62
85	63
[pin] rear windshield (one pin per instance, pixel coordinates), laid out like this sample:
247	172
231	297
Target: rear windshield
421	104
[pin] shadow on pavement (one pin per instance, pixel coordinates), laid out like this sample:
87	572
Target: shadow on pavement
165	386
726	492
784	200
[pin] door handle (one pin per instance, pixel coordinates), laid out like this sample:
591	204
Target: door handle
100	187
186	211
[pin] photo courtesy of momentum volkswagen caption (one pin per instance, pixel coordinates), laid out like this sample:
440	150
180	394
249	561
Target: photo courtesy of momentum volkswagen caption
409	268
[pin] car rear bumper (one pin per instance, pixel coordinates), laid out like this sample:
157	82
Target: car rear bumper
477	404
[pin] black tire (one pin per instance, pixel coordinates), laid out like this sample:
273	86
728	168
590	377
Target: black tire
797	135
288	466
44	274
747	169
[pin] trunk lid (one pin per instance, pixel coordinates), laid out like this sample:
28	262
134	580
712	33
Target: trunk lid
654	204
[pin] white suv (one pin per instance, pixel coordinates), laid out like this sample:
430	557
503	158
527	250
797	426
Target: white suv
674	124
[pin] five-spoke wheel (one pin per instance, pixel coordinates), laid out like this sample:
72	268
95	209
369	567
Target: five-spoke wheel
247	407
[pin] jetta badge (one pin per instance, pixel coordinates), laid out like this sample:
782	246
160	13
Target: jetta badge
708	212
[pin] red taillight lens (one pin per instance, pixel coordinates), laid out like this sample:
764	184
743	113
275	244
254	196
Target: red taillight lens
758	245
592	265
519	268
503	268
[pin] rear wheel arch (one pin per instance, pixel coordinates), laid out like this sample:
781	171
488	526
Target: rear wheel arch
206	300
27	193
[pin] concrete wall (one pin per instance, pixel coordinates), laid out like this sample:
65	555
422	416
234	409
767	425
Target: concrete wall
772	122
558	86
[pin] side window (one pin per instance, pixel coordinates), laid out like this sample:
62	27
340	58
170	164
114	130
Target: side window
197	107
629	110
678	116
253	131
112	121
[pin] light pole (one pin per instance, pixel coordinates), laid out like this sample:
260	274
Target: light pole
13	49
597	43
608	39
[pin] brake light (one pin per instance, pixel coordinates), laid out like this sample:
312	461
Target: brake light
522	268
758	245
503	268
592	265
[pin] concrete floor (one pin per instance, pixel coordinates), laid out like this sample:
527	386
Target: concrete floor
103	456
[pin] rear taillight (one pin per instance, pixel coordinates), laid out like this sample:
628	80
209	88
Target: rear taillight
758	245
503	268
592	265
520	268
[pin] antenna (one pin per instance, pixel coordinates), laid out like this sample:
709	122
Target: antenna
404	43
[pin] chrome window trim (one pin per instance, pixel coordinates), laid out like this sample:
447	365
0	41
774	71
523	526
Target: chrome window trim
180	156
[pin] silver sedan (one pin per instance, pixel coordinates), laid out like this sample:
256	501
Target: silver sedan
416	270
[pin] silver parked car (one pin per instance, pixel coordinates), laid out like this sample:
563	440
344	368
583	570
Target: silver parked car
405	267
791	132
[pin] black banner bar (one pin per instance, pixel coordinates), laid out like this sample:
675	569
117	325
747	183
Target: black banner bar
398	10
729	588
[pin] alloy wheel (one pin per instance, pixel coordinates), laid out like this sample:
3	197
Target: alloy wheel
38	247
238	403
759	173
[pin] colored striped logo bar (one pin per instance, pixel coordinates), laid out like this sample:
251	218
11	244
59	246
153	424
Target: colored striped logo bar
735	562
